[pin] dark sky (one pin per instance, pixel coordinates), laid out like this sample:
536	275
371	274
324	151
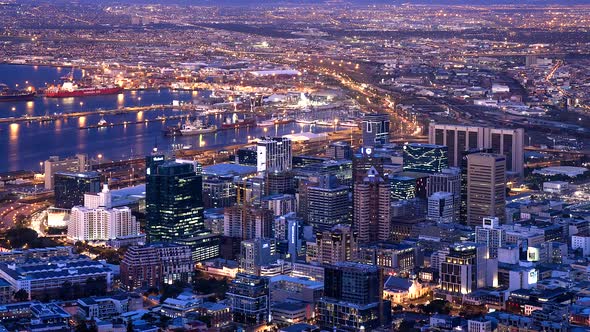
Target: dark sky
433	2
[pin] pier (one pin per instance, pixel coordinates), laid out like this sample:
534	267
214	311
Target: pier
55	117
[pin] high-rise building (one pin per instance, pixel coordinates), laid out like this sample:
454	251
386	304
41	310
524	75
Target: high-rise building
393	258
327	205
174	203
428	158
338	244
256	253
353	287
98	221
247	222
375	128
274	154
156	265
463	207
486	187
490	234
363	161
466	269
69	165
249	300
339	150
441	207
449	180
371	208
69	188
458	138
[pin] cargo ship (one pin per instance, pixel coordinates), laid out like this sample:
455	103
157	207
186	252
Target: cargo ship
69	89
8	94
196	128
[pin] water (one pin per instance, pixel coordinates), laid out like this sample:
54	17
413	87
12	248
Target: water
25	145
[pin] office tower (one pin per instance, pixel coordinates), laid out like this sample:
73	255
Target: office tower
427	158
375	129
510	143
441	207
327	205
339	150
491	235
393	258
458	138
276	183
205	245
274	154
463	207
246	156
363	161
279	204
464	269
219	191
156	265
174	204
338	244
256	253
449	180
288	228
402	187
69	165
247	222
371	208
249	300
353	287
69	188
486	187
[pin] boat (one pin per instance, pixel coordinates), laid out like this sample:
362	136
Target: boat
238	123
172	131
196	128
8	94
305	121
102	123
69	89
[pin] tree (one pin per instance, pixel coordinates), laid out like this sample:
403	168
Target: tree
437	306
21	295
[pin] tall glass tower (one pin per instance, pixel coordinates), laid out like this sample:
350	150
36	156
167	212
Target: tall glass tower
174	200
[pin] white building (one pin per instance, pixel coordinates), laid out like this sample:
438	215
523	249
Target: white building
491	235
441	207
479	325
581	242
274	154
97	221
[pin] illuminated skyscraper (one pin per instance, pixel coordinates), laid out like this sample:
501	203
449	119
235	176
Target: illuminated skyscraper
486	187
371	208
274	154
428	158
174	203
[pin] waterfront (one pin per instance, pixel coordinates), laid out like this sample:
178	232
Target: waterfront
25	145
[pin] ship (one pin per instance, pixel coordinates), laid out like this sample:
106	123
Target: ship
196	128
234	122
8	94
69	89
275	121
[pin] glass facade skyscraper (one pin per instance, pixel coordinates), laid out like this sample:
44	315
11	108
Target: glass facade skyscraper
428	158
69	188
174	201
